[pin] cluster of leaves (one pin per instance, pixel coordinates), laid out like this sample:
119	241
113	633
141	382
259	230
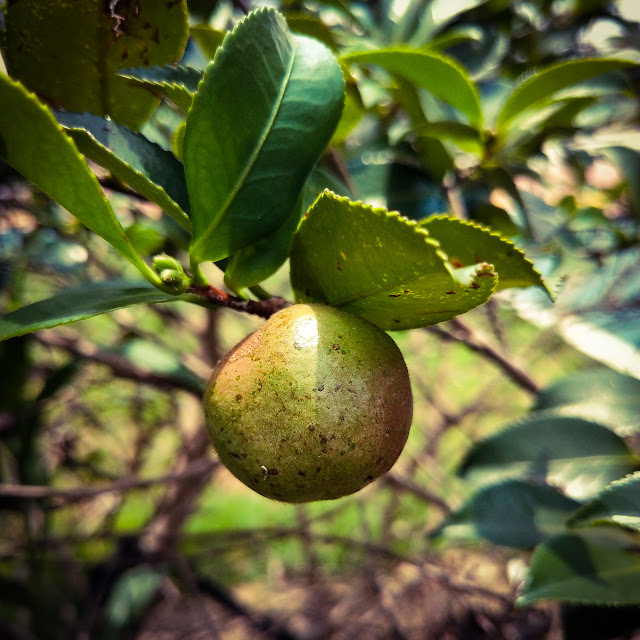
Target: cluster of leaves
425	109
566	484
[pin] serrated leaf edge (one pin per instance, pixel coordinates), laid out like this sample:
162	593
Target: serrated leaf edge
470	223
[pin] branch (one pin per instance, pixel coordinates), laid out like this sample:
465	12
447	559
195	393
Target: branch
121	366
63	497
465	336
262	308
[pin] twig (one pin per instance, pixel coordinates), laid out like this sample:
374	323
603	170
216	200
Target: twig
411	487
465	336
262	308
120	366
61	497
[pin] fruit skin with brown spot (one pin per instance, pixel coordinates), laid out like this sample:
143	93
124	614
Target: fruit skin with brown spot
314	405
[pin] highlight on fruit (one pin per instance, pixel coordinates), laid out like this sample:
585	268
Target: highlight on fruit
314	405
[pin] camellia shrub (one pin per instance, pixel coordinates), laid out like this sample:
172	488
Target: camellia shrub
384	163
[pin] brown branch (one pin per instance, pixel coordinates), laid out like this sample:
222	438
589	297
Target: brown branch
463	334
121	366
262	308
408	485
62	497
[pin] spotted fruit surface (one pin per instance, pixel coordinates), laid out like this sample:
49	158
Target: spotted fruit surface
314	405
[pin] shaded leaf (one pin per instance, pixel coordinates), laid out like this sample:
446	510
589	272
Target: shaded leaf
598	394
580	456
137	162
178	84
77	304
33	143
513	513
601	566
207	38
467	138
619	503
467	243
262	116
441	76
380	266
70	53
541	87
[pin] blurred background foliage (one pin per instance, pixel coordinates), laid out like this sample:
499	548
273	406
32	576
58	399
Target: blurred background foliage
116	518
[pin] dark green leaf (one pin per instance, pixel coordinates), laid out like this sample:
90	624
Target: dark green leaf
514	513
77	304
263	115
440	75
70	53
540	88
601	566
580	456
129	156
34	144
207	38
629	162
597	394
380	266
467	243
619	504
466	137
178	84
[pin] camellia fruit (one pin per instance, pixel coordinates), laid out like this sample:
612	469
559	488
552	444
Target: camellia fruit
314	405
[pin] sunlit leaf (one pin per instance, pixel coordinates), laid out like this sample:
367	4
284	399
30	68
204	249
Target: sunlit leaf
467	243
70	53
380	266
440	75
541	87
262	116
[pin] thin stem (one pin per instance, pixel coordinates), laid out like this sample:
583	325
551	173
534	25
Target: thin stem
262	308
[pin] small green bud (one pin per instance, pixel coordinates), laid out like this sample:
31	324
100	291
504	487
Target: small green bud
163	262
175	279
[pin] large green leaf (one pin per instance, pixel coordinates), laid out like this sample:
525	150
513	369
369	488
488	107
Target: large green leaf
580	456
600	394
143	165
542	86
441	76
178	84
380	266
263	115
467	243
601	566
258	261
69	52
77	304
513	513
34	144
619	504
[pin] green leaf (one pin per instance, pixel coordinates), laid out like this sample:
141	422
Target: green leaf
263	115
619	503
467	138
380	266
258	261
601	566
33	143
467	243
77	304
441	76
600	394
513	513
208	39
579	456
129	156
70	53
540	88
178	84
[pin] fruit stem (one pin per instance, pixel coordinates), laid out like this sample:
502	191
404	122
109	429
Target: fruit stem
262	308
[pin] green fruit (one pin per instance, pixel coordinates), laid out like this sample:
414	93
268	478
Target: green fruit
314	405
